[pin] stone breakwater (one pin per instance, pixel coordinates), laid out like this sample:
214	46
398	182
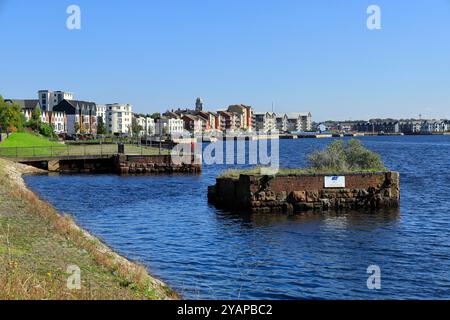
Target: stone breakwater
158	164
300	193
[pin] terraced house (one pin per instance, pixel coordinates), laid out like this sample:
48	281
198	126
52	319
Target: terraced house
81	116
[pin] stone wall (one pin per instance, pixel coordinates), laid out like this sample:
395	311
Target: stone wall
104	165
158	164
299	193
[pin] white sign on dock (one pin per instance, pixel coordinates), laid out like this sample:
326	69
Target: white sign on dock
335	182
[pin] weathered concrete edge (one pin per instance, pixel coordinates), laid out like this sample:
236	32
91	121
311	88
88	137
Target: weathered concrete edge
15	173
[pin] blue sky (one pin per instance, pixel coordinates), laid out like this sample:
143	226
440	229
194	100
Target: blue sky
313	55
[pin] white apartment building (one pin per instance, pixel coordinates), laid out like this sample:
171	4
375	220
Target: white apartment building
294	122
265	121
169	126
101	112
48	99
118	118
147	124
431	126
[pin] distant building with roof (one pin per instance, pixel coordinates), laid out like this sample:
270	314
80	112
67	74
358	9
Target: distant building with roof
81	113
265	121
48	99
245	113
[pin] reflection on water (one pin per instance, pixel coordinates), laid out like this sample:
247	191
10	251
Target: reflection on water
345	219
166	223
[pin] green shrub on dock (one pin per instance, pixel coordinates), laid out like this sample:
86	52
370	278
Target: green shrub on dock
338	158
345	157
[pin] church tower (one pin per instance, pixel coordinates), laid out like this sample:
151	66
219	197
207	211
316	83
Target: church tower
199	104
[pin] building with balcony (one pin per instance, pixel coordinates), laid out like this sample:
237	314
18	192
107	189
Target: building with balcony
265	121
146	123
118	118
245	114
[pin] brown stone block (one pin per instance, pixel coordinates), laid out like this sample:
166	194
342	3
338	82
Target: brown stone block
270	196
255	203
299	196
281	196
261	196
312	196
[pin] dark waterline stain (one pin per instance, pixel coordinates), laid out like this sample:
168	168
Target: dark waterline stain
166	223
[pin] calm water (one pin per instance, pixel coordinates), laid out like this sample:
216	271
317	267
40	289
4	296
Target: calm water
167	224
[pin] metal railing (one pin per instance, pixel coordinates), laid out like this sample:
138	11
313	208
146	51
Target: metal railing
80	150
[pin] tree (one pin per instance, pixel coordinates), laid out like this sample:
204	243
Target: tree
11	119
35	122
136	128
46	130
155	115
101	127
36	114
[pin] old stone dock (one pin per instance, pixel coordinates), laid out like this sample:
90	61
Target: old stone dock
299	193
116	163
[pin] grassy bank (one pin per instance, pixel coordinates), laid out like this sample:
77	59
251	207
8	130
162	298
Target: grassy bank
37	245
25	140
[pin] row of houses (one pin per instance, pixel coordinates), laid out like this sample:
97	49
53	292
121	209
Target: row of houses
74	116
239	118
407	127
411	126
236	118
70	116
288	122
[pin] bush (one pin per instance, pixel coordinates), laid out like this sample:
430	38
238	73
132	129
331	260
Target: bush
338	158
46	130
345	157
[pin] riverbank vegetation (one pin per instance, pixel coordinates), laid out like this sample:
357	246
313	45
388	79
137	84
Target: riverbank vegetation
37	245
13	120
338	158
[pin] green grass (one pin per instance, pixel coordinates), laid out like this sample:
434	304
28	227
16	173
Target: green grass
26	140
